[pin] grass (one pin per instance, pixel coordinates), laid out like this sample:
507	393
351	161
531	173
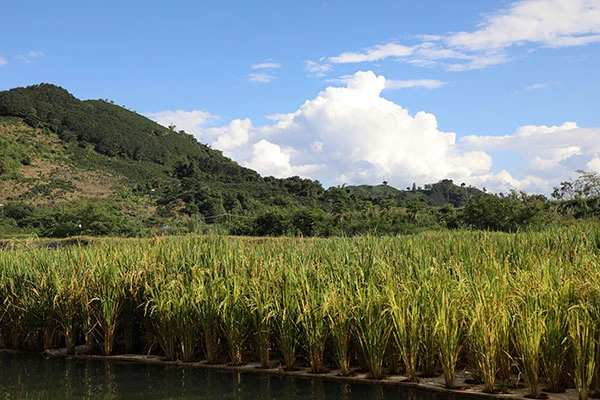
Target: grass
430	303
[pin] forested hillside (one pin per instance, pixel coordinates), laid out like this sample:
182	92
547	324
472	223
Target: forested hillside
72	167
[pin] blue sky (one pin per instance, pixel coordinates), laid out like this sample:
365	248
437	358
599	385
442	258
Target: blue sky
497	94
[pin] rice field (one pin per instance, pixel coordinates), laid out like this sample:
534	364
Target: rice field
493	304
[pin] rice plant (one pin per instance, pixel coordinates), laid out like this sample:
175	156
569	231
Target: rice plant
405	305
209	291
163	310
339	309
235	318
449	332
313	319
372	326
286	320
68	305
583	338
419	302
489	321
261	305
529	328
107	303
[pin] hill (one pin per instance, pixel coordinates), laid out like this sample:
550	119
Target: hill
72	167
55	148
438	194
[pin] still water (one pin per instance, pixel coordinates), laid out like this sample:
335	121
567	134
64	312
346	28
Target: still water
35	377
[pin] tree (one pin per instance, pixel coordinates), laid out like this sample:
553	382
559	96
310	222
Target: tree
510	213
586	186
308	221
414	207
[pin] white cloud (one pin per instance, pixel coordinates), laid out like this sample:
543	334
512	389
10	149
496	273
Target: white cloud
317	69
536	86
553	23
391	84
424	83
551	153
316	146
270	159
352	135
228	138
261	78
375	53
539	86
594	164
429	38
479	61
3	62
28	58
266	65
522	25
189	121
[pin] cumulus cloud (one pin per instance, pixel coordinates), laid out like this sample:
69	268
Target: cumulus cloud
230	137
594	164
270	159
350	135
3	62
550	153
189	121
28	58
523	24
353	135
362	137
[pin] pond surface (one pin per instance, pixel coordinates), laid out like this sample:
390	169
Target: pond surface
35	377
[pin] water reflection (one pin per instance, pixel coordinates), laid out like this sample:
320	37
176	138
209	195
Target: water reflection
34	377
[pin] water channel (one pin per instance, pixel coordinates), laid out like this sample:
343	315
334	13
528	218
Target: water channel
24	376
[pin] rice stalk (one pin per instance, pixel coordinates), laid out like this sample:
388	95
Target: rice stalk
372	327
405	310
529	326
233	313
209	291
261	305
582	337
68	306
488	322
286	321
339	311
162	309
313	320
449	331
